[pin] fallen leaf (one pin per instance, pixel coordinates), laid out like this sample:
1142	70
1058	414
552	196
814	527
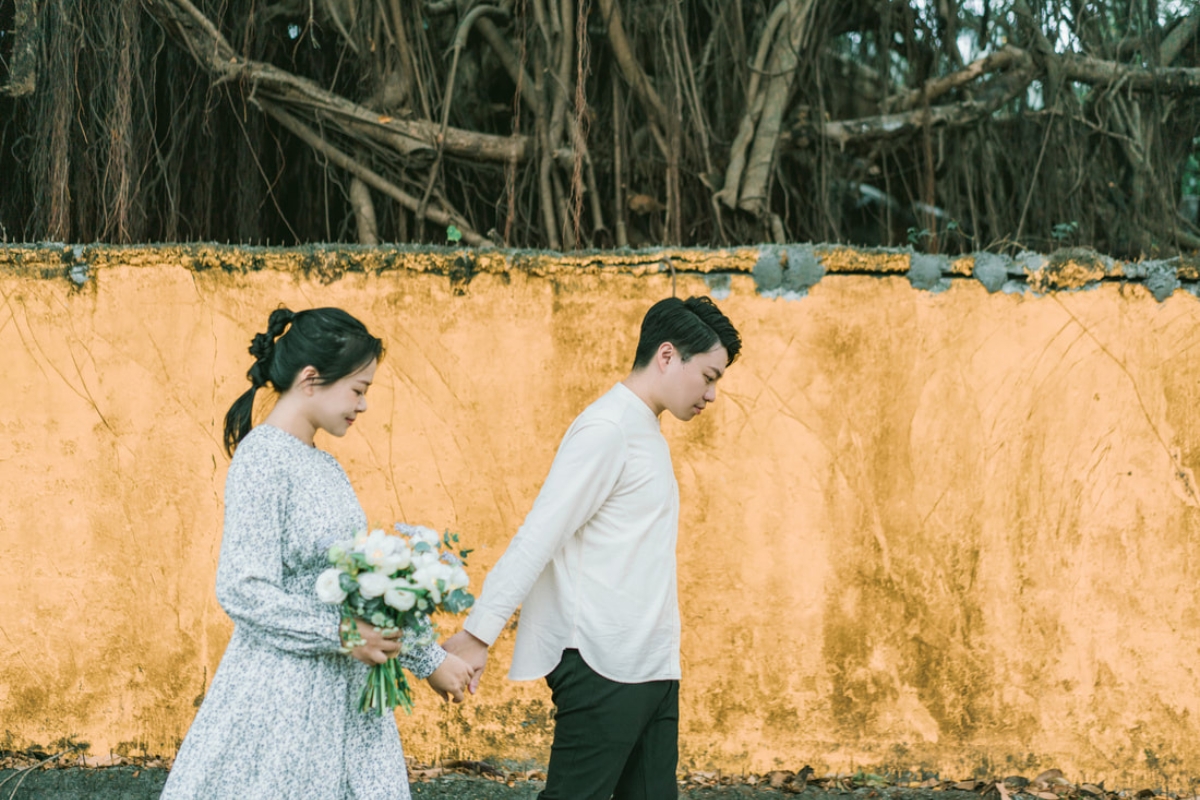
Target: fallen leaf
778	777
1048	776
966	786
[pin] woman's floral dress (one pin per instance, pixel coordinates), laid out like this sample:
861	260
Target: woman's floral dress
281	719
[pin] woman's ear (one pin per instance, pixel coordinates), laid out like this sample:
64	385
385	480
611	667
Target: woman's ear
307	379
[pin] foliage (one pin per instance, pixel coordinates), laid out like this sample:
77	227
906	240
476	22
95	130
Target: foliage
950	126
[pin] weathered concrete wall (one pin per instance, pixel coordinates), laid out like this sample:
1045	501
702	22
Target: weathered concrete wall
936	519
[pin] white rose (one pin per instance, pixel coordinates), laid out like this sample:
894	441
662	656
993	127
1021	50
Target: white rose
399	598
329	586
442	572
427	578
377	547
398	560
373	584
420	577
458	578
434	573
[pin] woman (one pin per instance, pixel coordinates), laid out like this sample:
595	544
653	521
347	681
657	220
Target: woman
281	719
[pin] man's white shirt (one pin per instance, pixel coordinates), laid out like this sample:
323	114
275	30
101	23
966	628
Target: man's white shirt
593	565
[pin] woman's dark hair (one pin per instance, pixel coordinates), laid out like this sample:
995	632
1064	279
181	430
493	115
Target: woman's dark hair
693	326
329	340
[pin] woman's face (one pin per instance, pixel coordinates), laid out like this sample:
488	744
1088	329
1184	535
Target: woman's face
334	406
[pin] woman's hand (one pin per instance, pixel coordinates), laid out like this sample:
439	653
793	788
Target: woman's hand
451	678
373	645
472	650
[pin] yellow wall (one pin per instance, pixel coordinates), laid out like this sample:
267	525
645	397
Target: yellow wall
956	531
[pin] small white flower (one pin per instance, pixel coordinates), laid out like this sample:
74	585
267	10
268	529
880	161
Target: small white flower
373	584
420	533
399	598
329	586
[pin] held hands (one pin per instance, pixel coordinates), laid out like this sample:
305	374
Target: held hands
472	650
451	679
369	644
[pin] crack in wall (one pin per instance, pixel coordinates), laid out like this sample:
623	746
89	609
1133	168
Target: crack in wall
1183	474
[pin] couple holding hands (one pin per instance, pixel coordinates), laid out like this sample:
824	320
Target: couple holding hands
592	569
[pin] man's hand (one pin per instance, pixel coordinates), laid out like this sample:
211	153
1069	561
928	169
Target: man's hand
471	650
372	645
451	678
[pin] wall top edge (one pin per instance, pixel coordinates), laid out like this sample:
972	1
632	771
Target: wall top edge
788	270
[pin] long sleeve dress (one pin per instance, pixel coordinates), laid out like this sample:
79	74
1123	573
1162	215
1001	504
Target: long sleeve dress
281	720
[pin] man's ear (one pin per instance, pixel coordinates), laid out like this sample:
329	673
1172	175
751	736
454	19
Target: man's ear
666	352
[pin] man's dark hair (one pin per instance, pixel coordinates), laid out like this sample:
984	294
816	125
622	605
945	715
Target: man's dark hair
693	326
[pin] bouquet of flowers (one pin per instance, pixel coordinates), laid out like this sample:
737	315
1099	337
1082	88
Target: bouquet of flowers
394	581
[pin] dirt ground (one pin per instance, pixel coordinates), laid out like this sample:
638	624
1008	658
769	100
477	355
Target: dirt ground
130	783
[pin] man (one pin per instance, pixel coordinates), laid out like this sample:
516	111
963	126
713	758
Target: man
593	568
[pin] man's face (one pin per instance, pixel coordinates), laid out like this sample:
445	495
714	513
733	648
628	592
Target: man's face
691	385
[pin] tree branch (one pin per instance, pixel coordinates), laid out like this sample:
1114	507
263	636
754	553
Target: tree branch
366	175
1178	39
765	112
512	63
1176	80
630	67
409	137
1003	58
891	126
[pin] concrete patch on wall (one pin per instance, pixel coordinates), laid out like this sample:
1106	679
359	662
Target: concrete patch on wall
787	272
930	273
991	270
719	285
1161	279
